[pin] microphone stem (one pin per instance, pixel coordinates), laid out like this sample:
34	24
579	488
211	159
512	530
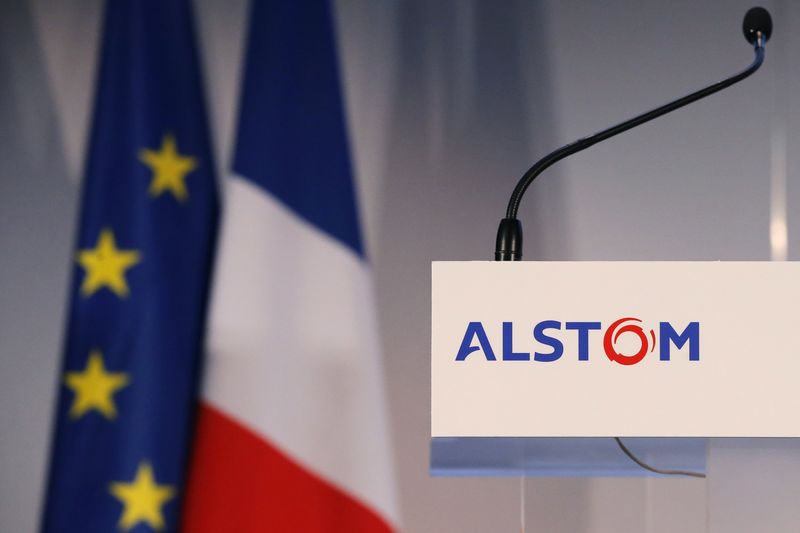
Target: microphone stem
586	142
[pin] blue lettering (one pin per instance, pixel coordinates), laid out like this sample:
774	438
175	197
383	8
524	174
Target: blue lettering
668	335
583	329
540	336
508	345
475	329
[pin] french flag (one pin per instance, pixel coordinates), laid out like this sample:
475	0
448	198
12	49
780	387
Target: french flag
292	432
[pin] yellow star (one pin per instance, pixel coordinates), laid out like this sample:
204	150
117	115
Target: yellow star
142	499
105	266
94	388
169	168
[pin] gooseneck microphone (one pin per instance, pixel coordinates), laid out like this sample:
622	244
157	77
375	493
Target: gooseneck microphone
757	28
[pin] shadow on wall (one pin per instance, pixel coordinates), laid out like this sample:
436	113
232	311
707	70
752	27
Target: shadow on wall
37	206
470	114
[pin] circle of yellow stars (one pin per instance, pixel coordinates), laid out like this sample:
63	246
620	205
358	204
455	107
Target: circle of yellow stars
94	387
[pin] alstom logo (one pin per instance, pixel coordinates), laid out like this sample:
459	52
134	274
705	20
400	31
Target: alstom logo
638	341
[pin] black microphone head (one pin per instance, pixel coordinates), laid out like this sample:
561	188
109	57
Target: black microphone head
756	20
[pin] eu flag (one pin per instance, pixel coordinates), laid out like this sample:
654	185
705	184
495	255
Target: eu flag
138	295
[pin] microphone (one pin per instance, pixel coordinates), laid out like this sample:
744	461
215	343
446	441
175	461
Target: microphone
757	28
757	23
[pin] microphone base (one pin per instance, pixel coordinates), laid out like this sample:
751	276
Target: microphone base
509	240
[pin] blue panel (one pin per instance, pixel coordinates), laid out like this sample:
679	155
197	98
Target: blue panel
556	456
292	136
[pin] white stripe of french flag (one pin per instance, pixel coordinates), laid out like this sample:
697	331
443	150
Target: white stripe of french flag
292	431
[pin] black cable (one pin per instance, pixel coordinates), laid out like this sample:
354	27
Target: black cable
582	144
654	469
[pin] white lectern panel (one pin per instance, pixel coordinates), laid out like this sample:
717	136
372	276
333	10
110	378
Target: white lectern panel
599	349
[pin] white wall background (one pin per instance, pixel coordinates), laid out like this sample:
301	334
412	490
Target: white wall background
449	102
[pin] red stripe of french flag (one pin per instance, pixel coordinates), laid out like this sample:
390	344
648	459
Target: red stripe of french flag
260	488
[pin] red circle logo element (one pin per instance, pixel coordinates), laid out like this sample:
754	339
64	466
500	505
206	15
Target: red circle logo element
618	328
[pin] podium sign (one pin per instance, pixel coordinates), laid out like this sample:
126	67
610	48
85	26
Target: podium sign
628	349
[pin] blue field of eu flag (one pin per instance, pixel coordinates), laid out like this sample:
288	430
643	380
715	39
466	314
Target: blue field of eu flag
142	263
